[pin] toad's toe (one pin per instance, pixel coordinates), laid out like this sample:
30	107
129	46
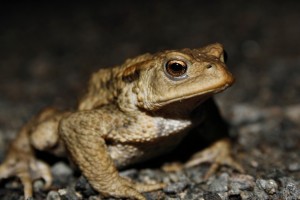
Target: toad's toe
27	170
218	154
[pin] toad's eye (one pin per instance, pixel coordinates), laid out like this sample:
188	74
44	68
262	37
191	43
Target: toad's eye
176	68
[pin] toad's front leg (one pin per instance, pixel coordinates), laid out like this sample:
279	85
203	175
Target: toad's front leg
84	133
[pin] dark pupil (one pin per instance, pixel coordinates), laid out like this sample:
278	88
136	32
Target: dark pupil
176	69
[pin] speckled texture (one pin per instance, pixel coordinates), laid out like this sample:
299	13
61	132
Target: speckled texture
48	52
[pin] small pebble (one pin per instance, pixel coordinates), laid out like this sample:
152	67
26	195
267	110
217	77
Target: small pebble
175	187
53	195
68	193
194	192
38	185
130	173
219	184
61	169
241	182
269	186
62	192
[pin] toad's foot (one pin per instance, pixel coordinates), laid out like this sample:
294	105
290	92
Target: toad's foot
123	187
27	168
218	154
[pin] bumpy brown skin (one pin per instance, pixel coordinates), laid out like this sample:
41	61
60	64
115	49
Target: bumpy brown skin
130	113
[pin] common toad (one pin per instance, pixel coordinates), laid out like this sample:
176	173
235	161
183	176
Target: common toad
130	113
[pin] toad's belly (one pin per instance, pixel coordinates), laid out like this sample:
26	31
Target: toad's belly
166	135
127	154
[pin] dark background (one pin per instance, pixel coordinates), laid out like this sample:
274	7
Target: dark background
47	52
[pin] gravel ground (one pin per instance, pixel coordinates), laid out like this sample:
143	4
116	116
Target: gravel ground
47	52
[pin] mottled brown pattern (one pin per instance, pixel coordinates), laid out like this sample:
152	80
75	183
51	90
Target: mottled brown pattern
130	113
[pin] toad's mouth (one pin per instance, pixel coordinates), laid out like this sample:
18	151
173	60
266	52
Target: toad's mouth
200	96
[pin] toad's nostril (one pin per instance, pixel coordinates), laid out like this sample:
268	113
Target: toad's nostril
209	66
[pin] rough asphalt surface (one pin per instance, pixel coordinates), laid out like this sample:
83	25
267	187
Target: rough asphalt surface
47	52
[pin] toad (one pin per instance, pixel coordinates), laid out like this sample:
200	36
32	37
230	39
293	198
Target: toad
129	114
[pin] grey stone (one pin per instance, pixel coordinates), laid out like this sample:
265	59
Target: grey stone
269	186
175	187
219	184
53	195
61	169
